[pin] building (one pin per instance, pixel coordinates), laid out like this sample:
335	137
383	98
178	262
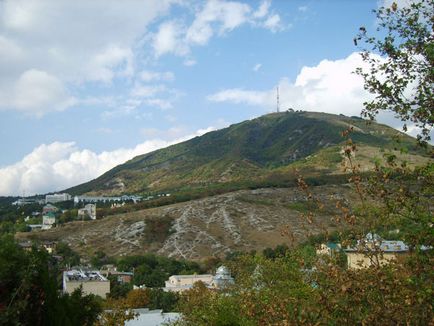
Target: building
147	317
222	278
26	245
88	211
179	283
121	277
56	198
27	201
92	282
49	208
102	199
48	220
373	250
328	249
49	246
34	227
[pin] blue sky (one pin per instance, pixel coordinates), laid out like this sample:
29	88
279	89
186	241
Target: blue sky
87	85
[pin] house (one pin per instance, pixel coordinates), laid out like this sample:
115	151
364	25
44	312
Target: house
26	245
144	316
49	208
373	250
56	198
49	246
88	211
48	220
34	227
92	282
121	277
328	249
179	283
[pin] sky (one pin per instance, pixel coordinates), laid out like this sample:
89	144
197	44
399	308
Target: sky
87	85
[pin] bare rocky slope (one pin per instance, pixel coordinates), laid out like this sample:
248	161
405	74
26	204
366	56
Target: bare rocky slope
214	226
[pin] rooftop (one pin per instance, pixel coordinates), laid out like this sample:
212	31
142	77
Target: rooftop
83	276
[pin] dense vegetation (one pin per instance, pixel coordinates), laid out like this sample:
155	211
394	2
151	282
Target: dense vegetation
29	291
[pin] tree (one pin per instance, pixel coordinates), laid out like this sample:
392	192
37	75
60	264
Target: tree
401	64
29	293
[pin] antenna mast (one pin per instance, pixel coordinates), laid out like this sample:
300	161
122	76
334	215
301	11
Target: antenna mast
278	104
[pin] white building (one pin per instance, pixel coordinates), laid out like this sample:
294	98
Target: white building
55	198
92	282
88	211
96	199
48	220
148	317
179	283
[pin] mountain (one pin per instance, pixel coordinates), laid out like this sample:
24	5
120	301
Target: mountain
258	152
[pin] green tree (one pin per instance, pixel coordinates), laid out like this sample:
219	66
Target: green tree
401	64
29	293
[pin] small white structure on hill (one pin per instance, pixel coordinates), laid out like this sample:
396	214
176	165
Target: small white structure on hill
88	211
55	198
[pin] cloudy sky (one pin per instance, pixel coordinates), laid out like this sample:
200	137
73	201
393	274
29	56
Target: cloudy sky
86	85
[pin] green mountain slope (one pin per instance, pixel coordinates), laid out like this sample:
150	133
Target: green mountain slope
254	151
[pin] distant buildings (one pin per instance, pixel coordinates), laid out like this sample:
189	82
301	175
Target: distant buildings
373	250
92	282
96	199
56	198
179	283
28	201
88	211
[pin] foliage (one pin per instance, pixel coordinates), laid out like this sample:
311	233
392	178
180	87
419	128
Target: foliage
118	289
70	257
158	229
99	259
403	77
153	271
29	291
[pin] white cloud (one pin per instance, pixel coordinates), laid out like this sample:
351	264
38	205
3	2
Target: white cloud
273	23
215	17
58	165
71	42
303	8
167	39
36	92
263	9
148	76
189	62
239	96
147	91
328	87
257	66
